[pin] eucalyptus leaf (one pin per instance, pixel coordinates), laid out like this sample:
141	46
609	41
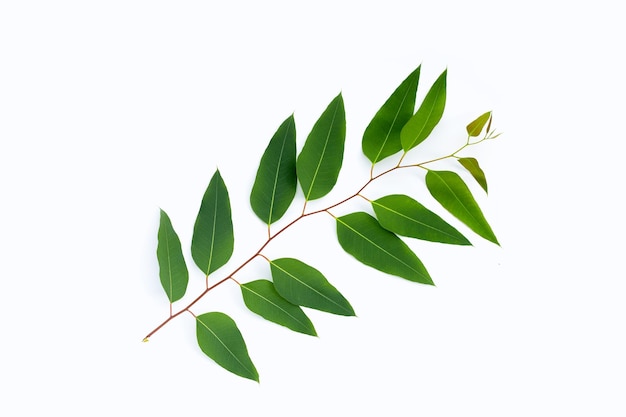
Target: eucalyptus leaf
276	182
320	160
382	136
304	285
476	127
361	236
471	164
213	239
452	193
172	267
403	215
220	339
420	126
262	298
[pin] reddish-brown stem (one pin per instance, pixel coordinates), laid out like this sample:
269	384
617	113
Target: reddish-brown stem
272	237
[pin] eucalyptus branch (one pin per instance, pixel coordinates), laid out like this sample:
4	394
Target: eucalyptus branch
374	240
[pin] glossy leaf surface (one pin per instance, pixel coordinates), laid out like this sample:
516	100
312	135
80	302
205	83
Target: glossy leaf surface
476	127
471	164
220	339
363	237
172	267
213	239
403	215
275	183
262	298
420	126
452	193
304	285
382	136
320	160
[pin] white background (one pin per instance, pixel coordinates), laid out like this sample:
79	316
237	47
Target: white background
110	110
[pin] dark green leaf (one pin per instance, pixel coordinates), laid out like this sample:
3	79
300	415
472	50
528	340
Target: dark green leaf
172	268
304	285
471	164
262	298
213	239
428	115
475	127
382	136
452	193
363	237
320	160
275	183
402	215
220	339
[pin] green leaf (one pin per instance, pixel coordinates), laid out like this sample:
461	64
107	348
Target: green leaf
363	237
275	183
428	115
304	285
262	298
402	215
453	194
382	136
471	164
475	127
320	160
172	268
220	339
213	239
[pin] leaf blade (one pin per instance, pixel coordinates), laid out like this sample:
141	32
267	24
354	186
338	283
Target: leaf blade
452	193
420	126
476	126
403	215
262	298
320	159
304	285
361	236
212	242
472	166
220	339
382	136
275	183
173	271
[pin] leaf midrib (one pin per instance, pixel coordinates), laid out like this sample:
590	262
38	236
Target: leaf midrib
319	162
304	326
395	117
308	286
380	248
280	159
430	112
226	347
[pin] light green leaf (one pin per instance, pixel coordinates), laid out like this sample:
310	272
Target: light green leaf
363	237
476	127
220	339
452	193
304	285
320	160
172	268
471	164
275	183
262	298
402	215
382	136
427	116
213	239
